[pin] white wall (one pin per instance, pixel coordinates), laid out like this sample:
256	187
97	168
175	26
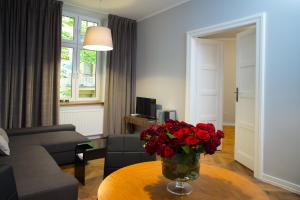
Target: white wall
161	58
229	81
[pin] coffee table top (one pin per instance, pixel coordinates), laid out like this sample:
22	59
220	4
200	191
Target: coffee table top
94	149
145	181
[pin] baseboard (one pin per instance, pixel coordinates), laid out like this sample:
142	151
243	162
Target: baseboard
292	187
228	124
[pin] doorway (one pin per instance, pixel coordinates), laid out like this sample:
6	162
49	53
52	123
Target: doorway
205	86
236	91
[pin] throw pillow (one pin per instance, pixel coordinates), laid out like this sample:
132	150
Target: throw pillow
4	148
4	134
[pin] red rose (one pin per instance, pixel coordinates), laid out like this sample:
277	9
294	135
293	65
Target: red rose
210	148
201	126
185	131
216	141
220	134
213	134
151	146
160	148
171	126
180	141
185	125
191	140
182	132
162	137
208	127
178	134
167	126
211	128
143	135
168	152
202	135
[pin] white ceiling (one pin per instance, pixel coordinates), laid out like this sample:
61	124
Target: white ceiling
133	9
228	34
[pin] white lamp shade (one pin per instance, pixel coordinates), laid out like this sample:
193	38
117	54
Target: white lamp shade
98	38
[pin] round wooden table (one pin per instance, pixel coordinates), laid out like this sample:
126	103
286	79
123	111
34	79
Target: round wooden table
145	181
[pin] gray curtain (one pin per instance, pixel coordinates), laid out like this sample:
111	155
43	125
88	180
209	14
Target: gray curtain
120	75
30	45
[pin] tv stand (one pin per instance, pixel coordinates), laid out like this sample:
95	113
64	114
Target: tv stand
132	121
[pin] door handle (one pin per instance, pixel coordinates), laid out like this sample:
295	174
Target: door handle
237	94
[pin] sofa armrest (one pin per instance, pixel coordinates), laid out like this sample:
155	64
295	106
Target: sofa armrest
41	129
8	189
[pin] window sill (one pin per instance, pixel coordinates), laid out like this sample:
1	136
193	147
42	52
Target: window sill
79	103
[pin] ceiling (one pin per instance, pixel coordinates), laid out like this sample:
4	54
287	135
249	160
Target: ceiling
228	34
133	9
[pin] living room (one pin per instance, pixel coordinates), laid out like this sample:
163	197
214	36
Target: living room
128	99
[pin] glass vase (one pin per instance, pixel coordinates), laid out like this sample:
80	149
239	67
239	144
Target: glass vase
181	168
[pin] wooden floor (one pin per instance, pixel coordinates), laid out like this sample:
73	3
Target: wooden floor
224	158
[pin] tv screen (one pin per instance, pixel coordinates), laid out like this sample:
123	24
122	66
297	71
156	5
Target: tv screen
146	107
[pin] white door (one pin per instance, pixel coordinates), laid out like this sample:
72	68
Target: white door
205	84
245	102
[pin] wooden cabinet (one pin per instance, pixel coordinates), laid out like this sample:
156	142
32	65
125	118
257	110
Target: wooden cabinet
132	121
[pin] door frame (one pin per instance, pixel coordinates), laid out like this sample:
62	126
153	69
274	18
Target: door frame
260	22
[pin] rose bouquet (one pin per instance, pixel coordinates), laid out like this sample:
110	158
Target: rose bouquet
181	137
180	145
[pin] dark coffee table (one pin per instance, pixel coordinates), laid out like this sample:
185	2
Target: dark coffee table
84	152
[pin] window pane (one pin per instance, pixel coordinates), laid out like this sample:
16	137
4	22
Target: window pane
68	28
87	74
66	73
83	26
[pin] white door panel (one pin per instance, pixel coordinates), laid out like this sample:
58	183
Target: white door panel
245	106
206	82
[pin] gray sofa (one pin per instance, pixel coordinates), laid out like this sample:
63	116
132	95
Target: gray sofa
35	156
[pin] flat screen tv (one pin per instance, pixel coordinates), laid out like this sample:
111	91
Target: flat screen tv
146	107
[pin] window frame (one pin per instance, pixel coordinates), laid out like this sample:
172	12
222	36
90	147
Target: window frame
77	46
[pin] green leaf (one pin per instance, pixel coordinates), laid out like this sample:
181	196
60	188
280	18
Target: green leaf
170	135
186	149
200	148
87	56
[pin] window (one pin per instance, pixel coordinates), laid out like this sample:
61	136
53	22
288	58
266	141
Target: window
68	24
66	72
80	68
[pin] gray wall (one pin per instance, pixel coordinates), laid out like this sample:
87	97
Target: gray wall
161	68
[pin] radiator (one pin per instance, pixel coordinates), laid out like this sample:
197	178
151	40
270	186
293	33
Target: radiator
88	119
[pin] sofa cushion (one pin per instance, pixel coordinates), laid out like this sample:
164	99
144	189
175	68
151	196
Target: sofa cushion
8	188
54	142
40	129
37	175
